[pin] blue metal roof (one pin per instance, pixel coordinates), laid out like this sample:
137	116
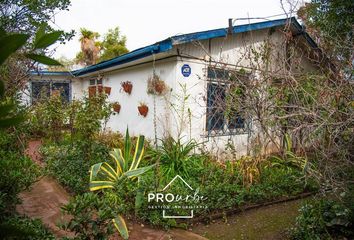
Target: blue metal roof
51	73
167	44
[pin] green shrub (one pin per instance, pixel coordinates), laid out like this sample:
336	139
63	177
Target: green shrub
51	118
91	216
16	227
17	171
174	157
223	186
323	219
70	164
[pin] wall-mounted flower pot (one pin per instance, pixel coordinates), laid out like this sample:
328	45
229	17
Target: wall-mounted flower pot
92	91
159	87
156	85
143	110
127	87
107	90
116	107
100	88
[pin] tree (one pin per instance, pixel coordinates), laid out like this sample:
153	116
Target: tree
93	50
9	45
113	44
331	22
90	47
27	16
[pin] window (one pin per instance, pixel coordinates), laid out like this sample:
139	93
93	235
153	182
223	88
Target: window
44	89
95	81
96	86
224	115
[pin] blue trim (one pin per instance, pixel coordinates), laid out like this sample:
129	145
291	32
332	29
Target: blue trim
302	31
167	44
50	73
134	55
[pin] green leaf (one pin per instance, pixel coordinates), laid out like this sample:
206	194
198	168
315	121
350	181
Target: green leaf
99	185
8	122
119	223
117	155
138	154
137	172
47	39
43	59
6	109
94	170
127	146
10	44
40	32
109	171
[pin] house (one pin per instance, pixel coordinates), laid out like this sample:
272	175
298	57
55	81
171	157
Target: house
192	69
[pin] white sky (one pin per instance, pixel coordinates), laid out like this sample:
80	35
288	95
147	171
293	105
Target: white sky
146	22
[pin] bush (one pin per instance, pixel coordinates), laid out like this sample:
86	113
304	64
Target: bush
91	217
17	171
51	117
224	188
70	164
324	219
174	157
16	227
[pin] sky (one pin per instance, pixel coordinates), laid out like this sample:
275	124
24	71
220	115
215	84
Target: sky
147	22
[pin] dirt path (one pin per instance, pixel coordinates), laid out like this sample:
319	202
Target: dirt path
43	201
269	222
45	197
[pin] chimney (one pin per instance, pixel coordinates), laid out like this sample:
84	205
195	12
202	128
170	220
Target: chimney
230	30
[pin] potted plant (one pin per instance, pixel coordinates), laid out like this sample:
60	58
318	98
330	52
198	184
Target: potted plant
116	107
156	85
99	88
143	109
92	91
127	87
107	90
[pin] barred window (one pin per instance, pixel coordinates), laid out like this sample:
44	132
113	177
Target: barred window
224	115
43	89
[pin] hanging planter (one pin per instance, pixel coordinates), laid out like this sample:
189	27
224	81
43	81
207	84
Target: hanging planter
156	85
116	107
143	109
107	90
127	87
92	91
99	88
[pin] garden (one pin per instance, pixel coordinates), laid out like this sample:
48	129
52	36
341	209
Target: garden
110	174
115	181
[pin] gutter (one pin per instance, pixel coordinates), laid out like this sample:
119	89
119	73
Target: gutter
137	54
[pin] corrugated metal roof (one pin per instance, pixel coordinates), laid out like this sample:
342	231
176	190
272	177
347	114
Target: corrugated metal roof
167	44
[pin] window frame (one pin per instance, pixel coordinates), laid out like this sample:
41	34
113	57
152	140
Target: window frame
225	130
51	82
96	81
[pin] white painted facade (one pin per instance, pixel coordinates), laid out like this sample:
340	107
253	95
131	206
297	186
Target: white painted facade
163	119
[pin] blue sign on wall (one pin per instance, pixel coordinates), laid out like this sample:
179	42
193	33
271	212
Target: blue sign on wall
186	70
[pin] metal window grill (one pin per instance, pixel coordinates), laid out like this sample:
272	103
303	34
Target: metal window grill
45	88
222	118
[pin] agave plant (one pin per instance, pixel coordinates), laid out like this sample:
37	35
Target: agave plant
104	175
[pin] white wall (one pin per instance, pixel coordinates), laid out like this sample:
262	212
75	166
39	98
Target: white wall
129	116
